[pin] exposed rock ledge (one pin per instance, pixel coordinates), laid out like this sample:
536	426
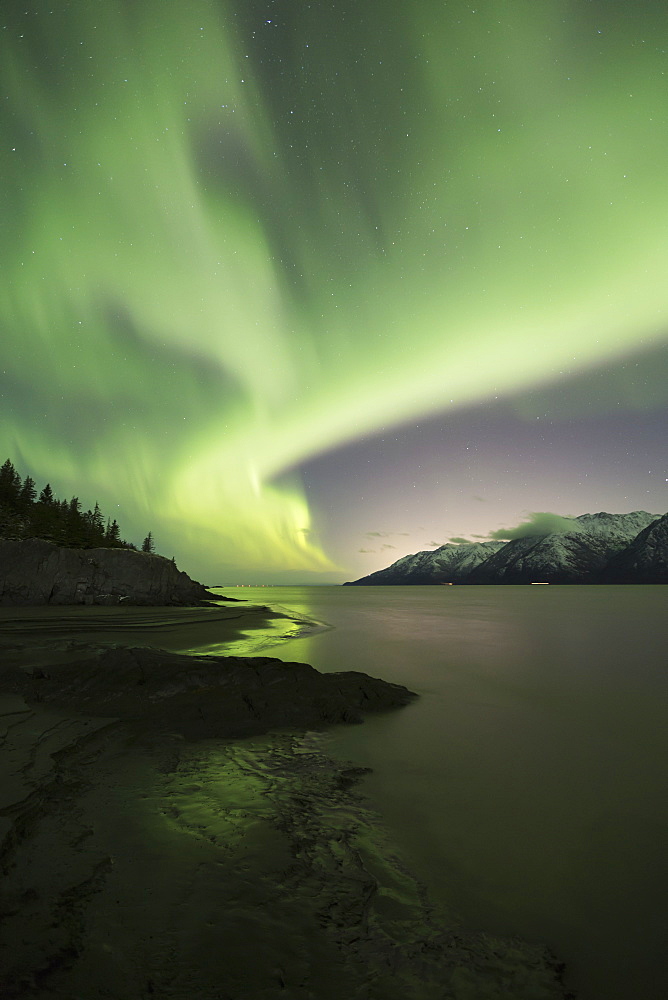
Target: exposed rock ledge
207	696
38	572
137	863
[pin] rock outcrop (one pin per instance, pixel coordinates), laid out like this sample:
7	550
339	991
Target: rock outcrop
35	571
207	696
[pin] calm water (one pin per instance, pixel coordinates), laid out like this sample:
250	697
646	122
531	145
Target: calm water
527	785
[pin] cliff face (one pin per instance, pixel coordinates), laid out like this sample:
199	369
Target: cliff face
38	572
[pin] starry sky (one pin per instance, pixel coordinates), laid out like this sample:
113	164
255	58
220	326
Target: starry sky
304	286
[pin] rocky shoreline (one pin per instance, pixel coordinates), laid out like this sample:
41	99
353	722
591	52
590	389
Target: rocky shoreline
173	826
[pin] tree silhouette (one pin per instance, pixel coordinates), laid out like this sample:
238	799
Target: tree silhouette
112	532
27	494
12	510
46	496
59	521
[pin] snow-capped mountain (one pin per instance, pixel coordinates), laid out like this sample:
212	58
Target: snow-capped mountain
447	564
645	560
577	556
581	555
622	527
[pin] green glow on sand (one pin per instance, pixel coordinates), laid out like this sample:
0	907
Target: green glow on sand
213	271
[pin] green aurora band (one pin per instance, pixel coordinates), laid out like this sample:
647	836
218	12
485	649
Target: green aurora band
235	238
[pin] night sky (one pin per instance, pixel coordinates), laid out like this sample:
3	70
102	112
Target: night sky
301	287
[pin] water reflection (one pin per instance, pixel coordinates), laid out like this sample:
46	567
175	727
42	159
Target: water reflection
269	636
527	784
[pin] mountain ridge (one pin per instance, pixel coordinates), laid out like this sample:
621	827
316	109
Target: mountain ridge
592	552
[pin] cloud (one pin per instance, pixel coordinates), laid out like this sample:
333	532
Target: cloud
479	536
539	523
386	546
434	545
459	541
387	534
480	499
366	550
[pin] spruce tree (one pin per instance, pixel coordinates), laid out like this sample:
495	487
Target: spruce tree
46	496
147	545
75	526
112	535
11	522
98	520
10	485
45	516
28	493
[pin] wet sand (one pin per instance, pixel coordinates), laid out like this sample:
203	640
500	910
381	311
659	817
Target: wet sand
175	628
139	860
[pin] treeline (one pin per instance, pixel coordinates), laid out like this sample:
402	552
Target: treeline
24	514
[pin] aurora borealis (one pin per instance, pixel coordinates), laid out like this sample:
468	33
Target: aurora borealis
245	246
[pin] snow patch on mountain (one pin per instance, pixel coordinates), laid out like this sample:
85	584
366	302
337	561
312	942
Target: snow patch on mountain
580	555
446	564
